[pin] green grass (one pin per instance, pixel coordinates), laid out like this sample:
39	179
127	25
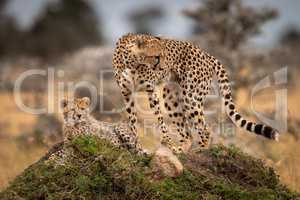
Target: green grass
97	170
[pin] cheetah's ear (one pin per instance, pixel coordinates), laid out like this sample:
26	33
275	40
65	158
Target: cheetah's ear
139	42
84	102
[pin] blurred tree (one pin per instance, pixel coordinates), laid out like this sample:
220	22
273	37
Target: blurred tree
290	37
223	27
142	19
66	25
2	5
9	33
286	53
228	22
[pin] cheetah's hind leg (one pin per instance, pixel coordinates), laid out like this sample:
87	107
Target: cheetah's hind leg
173	105
196	121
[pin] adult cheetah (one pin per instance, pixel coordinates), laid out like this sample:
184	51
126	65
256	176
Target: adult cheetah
142	61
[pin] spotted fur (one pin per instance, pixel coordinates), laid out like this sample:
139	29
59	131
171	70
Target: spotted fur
143	61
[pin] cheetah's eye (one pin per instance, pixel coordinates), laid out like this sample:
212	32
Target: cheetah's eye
157	58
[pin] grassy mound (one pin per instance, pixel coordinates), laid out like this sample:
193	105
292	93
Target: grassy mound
97	170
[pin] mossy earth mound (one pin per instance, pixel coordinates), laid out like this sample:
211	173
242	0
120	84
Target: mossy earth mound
98	170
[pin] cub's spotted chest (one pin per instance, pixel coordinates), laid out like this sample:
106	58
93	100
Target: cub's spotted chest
193	69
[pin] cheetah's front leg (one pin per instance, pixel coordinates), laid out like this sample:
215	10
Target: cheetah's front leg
126	86
154	104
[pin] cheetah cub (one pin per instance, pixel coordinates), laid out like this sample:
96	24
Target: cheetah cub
152	60
77	121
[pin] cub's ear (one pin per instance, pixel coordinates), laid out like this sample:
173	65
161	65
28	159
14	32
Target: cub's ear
84	102
63	103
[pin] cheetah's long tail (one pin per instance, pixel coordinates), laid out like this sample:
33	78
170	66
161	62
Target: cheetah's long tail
238	120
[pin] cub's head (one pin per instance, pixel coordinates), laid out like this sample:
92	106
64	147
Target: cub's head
75	111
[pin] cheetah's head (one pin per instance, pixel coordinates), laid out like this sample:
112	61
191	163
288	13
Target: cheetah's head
146	50
146	47
75	111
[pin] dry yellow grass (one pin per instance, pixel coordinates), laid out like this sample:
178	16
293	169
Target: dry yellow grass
13	120
13	159
284	155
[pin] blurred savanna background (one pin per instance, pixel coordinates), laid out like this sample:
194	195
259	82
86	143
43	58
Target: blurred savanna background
50	49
